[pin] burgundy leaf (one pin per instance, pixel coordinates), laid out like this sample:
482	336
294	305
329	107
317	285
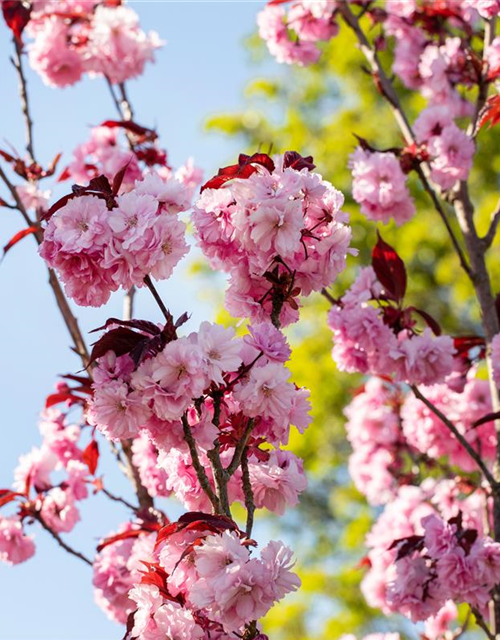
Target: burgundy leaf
433	324
244	169
65	175
6	496
19	236
408	545
120	341
118	179
295	161
142	133
141	325
91	456
389	269
17	15
490	113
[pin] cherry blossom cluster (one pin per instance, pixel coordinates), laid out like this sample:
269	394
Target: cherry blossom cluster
115	144
277	228
382	338
389	429
292	36
428	548
73	37
49	481
99	241
209	583
403	553
217	386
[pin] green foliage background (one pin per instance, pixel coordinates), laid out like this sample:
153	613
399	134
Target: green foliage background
315	111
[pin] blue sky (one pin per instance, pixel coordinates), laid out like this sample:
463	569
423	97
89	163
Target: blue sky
202	70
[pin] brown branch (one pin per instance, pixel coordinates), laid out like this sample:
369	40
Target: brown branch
492	230
60	541
111	496
198	467
481	623
149	283
23	94
240	447
248	492
145	500
465	444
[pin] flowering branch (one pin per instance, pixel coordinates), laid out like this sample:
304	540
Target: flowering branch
60	541
387	90
470	450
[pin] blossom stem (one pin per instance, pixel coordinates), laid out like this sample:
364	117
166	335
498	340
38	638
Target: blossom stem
111	496
240	447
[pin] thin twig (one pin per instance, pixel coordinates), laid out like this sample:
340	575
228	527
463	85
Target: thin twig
494	222
149	283
111	496
60	541
23	94
198	467
481	623
470	450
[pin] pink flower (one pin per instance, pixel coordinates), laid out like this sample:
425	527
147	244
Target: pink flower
278	482
58	510
173	621
422	359
145	458
431	122
265	338
452	151
379	185
437	626
32	197
267	392
220	349
80	225
118	48
117	411
116	569
15	546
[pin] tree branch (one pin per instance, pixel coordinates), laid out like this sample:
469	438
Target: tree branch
198	467
491	233
149	283
387	90
60	541
23	94
465	444
248	492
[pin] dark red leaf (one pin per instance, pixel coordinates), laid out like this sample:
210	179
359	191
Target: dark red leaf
65	175
19	236
124	535
490	112
130	626
244	169
62	202
463	344
118	179
389	269
140	325
6	496
91	456
408	545
433	324
295	161
142	133
17	15
120	341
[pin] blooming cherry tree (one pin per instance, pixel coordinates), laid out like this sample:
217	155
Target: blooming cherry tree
205	416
